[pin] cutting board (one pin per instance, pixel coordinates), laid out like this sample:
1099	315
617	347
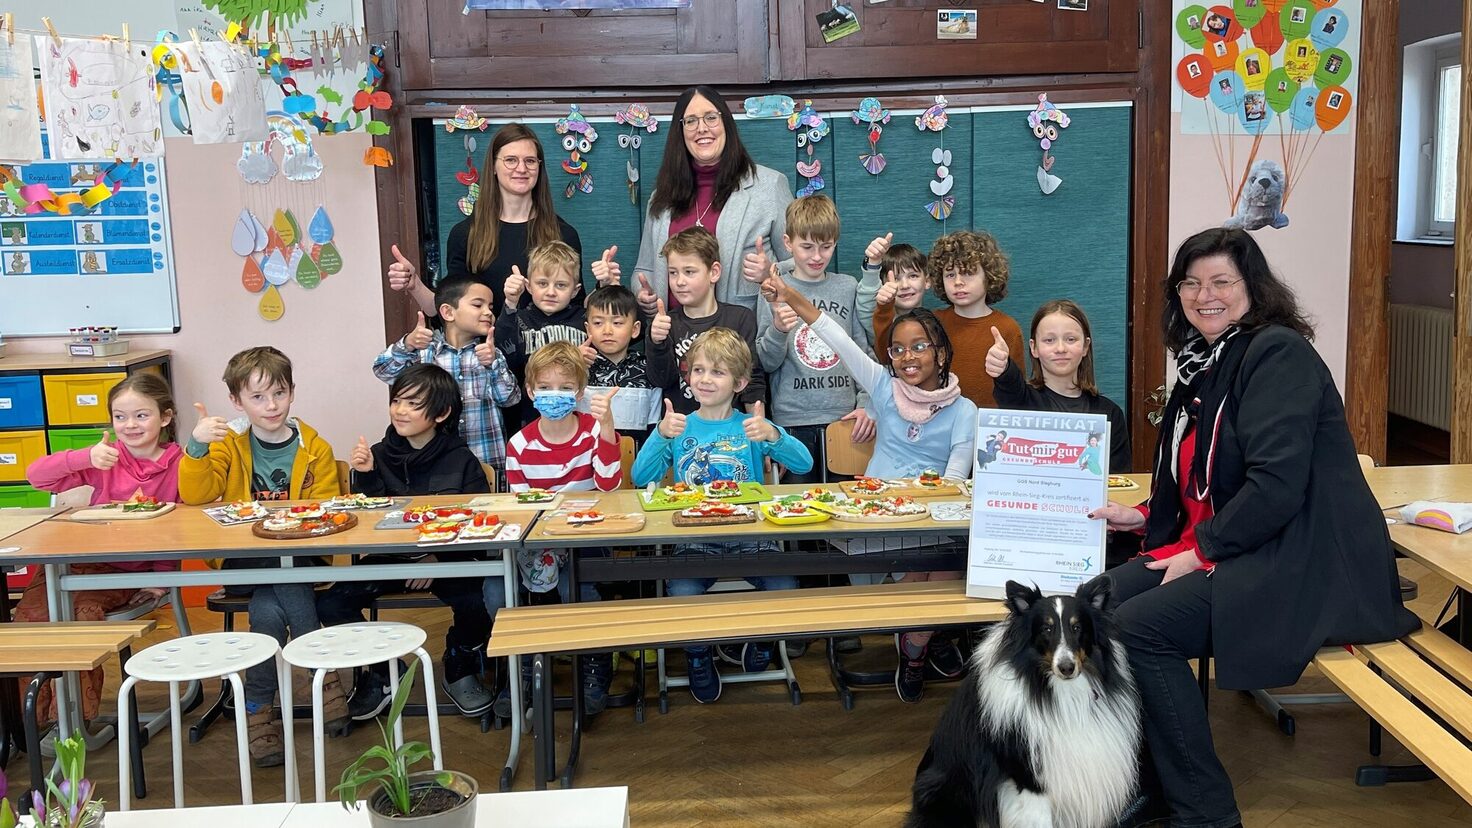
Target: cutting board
509	503
612	524
846	517
259	530
906	488
115	511
660	502
722	520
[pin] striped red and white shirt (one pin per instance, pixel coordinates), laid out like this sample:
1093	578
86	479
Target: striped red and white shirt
582	464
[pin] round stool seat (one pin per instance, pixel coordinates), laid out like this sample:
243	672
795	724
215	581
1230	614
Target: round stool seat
202	656
353	645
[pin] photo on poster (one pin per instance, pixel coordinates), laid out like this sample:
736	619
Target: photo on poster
1073	5
837	23
955	24
13	234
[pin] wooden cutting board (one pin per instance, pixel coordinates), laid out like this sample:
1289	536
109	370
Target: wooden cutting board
115	512
509	503
907	488
849	518
554	524
259	530
721	520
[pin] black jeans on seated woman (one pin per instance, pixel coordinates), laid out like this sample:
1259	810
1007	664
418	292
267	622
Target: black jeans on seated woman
1164	628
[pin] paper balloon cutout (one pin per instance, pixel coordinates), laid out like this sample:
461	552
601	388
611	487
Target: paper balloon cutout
1254	114
251	276
308	274
1268	35
1253	66
1222	54
243	236
1281	90
275	268
285	228
1194	75
1188	26
271	307
1300	60
1334	68
1226	91
328	259
1220	24
320	230
1330	27
1332	107
1302	110
1296	18
1248	12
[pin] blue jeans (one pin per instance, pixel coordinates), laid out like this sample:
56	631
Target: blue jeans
282	611
699	586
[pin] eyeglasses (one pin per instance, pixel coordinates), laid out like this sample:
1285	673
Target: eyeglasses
710	119
897	351
1190	288
511	162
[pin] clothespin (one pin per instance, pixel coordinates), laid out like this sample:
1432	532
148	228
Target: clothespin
364	41
56	38
287	36
10	28
127	39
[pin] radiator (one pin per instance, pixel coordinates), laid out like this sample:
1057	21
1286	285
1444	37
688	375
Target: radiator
1421	364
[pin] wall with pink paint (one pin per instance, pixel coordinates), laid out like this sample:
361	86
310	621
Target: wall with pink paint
331	333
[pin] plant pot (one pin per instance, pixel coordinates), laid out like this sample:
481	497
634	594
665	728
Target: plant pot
461	815
92	816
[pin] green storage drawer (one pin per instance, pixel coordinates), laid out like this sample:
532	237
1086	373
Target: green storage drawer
66	439
12	497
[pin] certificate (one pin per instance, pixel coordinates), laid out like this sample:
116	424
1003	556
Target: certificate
1037	476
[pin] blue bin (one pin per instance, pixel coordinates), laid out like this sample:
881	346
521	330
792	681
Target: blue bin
21	403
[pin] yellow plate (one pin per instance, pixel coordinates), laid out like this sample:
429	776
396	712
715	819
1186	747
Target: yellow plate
813	516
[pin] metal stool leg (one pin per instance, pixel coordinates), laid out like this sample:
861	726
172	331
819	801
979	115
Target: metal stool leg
319	737
125	738
434	709
242	740
288	728
176	715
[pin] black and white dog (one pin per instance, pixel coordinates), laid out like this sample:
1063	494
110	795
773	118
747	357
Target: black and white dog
1045	730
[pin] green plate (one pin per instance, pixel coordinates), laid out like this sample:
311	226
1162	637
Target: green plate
658	502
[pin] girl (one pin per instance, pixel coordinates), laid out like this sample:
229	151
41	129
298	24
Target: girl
142	460
923	423
1062	374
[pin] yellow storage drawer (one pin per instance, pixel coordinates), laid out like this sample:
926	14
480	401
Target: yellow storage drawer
78	399
18	449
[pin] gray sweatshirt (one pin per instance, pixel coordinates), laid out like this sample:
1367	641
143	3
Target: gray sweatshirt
809	385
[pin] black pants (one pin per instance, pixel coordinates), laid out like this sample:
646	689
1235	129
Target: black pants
1164	627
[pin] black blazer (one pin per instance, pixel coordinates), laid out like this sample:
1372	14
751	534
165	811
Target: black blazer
1303	558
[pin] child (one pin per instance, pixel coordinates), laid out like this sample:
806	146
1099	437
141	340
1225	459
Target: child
552	316
901	268
462	346
924	423
810	387
969	271
420	454
613	323
266	455
717	442
141	461
694	258
563	451
1062	374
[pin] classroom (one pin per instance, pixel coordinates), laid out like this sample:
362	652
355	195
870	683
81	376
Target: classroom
794	413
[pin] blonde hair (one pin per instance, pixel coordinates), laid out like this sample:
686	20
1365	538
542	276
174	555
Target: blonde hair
968	251
722	347
813	217
563	355
695	241
270	363
554	255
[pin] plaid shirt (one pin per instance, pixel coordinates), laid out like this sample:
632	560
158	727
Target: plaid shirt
483	390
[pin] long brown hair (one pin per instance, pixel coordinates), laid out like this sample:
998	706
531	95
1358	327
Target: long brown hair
485	219
1068	308
152	386
674	187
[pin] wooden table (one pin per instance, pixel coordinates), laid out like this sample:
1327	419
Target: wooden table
16	520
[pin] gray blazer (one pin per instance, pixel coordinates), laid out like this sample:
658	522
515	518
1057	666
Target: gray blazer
758	208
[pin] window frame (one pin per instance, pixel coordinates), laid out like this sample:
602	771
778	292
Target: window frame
1446	56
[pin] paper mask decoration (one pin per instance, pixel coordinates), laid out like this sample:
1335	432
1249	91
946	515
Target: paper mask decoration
935	120
223	91
872	112
99	100
466	119
637	117
769	106
1046	120
810	128
20	119
577	138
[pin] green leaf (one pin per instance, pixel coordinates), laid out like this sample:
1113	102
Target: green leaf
401	698
7	816
376	128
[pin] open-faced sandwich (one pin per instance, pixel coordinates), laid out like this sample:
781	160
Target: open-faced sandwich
789	507
1119	481
535	496
141	502
438	531
420	514
901	505
723	488
585	516
715	508
307	510
481	526
680	491
818	494
869	485
281	521
244	510
930	479
359	501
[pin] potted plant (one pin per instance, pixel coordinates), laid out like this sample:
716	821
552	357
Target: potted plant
398	798
70	803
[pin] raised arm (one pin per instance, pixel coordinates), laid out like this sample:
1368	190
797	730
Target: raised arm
867	373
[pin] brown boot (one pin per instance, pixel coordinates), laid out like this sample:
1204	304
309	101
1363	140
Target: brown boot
335	718
264	734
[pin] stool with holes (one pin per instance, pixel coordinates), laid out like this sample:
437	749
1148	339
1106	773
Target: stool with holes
223	655
361	645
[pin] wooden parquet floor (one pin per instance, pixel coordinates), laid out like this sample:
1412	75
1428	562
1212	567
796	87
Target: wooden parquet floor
753	759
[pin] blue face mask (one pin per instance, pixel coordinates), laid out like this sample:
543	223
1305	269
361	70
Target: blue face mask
554	405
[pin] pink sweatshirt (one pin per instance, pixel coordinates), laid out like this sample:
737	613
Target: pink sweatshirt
155	478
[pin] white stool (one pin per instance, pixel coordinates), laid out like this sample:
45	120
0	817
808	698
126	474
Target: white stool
362	645
195	658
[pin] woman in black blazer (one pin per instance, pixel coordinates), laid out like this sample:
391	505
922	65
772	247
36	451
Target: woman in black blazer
1263	542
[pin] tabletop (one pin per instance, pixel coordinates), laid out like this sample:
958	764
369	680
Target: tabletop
61	362
1446	554
270	815
575	808
15	520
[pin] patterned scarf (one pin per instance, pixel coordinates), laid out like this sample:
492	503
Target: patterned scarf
1195	359
917	406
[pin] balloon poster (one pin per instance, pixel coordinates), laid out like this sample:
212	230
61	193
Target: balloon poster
1267	80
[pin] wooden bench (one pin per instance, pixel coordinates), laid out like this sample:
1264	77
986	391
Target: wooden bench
672	622
1419	689
45	651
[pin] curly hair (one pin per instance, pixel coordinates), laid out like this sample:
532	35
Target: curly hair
968	251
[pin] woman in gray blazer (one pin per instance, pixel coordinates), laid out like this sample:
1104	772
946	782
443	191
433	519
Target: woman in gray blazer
709	180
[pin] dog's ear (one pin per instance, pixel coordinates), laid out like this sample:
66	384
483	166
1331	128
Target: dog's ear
1096	592
1020	598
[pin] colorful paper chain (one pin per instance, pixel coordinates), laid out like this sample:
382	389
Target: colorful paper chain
299	103
34	198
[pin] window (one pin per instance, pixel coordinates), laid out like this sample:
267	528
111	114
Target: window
1442	211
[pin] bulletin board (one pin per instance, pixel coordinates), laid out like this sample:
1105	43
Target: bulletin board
112	266
1073	243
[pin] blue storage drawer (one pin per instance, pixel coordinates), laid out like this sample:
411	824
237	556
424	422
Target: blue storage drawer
21	405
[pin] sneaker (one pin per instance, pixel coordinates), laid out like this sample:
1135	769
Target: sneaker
370	698
909	677
502	706
797	648
597	675
705	680
730	653
264	735
1145	810
756	657
944	657
335	716
848	644
469	695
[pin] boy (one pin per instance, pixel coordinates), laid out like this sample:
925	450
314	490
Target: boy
563	450
552	316
266	455
462	346
420	454
717	442
694	259
968	270
892	274
810	386
613	323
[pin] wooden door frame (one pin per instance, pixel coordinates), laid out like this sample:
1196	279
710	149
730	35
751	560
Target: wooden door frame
1461	323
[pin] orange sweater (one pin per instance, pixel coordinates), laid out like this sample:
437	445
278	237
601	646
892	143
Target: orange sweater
971	339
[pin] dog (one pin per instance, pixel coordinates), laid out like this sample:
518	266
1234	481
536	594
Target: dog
1261	203
1045	729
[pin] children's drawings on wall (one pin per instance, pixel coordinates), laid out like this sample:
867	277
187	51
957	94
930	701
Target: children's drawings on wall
223	89
100	100
20	120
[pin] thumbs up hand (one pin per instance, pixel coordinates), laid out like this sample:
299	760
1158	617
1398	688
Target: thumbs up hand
877	248
784	318
401	273
998	355
606	270
886	293
485	353
673	425
755	265
646	295
102	455
757	427
209	429
659	329
362	457
419	338
513	288
590	353
601	407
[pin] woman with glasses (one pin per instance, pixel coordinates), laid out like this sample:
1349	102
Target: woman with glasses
1262	540
514	214
707	179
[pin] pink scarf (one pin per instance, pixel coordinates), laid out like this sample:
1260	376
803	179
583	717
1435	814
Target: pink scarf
919	406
